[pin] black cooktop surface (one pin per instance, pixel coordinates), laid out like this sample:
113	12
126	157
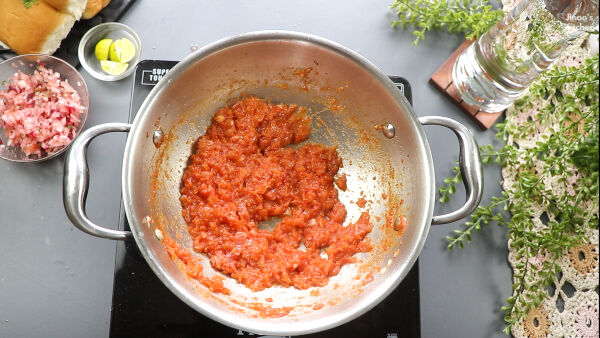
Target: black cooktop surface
143	307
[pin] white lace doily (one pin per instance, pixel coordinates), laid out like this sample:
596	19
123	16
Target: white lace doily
571	310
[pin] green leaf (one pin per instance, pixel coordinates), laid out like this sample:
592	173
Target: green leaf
29	3
468	17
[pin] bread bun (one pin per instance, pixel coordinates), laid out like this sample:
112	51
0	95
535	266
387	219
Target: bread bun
39	28
73	7
93	7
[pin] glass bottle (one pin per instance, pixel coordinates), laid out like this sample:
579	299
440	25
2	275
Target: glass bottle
496	70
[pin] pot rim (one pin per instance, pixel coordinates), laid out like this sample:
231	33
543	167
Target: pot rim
230	319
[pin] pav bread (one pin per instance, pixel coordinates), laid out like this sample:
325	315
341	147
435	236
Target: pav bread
73	7
93	7
41	27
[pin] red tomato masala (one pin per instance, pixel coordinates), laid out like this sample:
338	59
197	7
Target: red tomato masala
243	172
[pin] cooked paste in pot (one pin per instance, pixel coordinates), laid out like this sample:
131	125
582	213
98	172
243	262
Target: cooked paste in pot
243	172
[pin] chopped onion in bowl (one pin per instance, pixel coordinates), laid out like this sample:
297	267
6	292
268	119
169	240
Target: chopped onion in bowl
39	112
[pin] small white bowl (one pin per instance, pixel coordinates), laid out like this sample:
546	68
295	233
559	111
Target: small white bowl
109	30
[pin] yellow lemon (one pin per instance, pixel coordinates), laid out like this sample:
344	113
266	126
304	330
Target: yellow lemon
122	50
102	48
112	67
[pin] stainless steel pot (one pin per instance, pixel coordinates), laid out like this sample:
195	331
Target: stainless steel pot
347	97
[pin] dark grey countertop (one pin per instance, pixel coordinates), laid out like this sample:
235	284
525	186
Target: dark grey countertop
56	281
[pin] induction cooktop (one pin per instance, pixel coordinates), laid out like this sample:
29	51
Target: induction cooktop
142	306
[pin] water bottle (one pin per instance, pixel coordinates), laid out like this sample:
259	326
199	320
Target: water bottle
497	69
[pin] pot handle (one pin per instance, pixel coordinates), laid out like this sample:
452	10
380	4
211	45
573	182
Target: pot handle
470	167
76	182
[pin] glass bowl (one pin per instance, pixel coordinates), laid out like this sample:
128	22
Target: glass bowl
28	64
109	30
